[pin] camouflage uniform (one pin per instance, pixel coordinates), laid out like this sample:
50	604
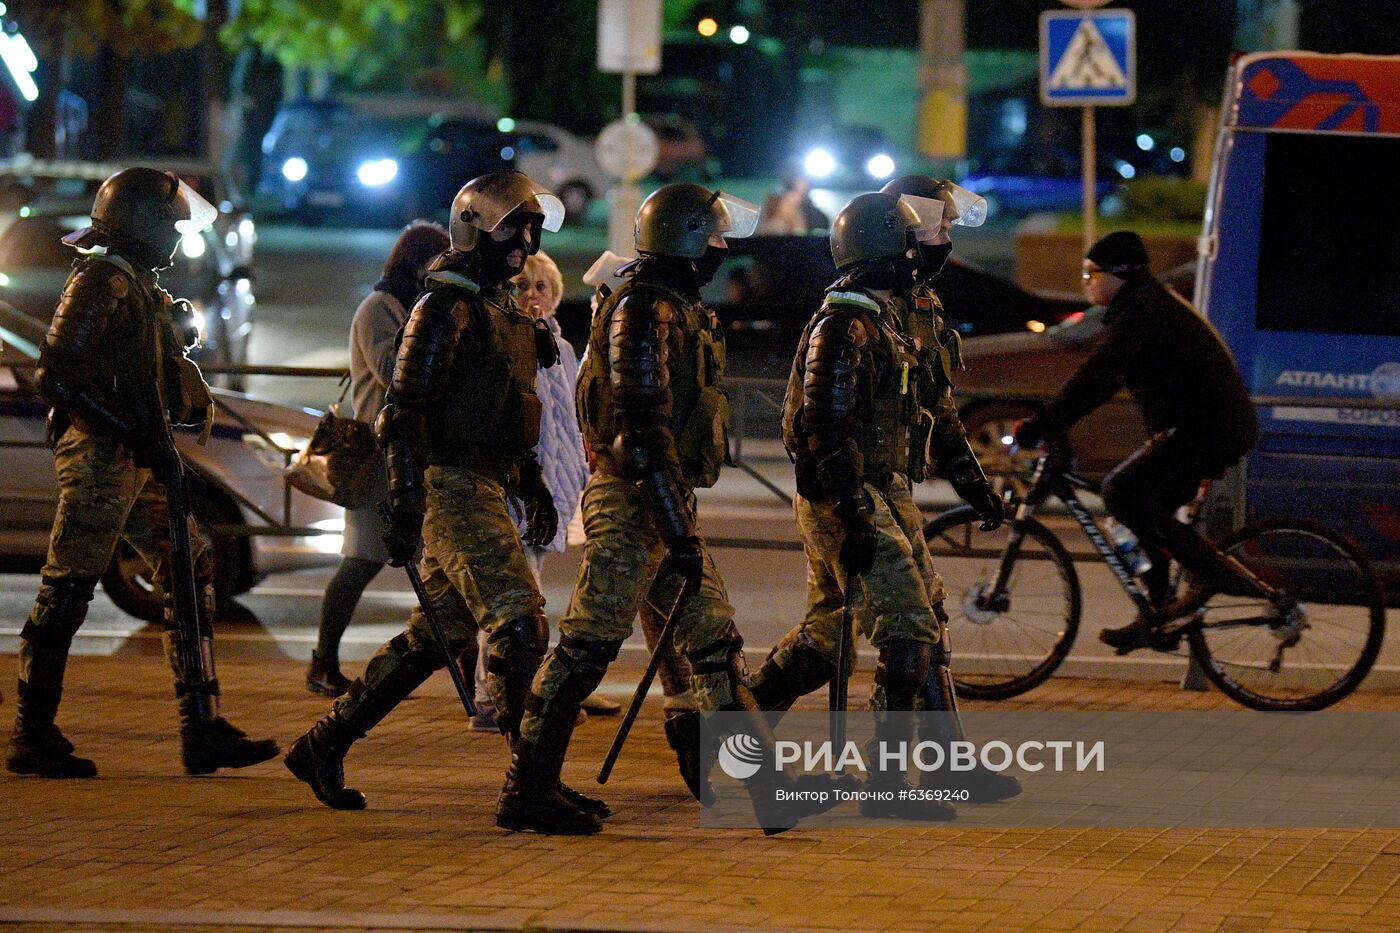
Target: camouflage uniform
458	431
112	359
654	413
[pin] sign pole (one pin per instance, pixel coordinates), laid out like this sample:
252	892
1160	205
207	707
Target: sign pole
1089	160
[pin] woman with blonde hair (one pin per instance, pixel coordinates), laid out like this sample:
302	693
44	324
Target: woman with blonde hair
539	289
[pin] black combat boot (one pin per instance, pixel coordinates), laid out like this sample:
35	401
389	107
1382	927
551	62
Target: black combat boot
683	733
37	746
942	724
779	799
209	742
323	676
533	797
903	669
318	758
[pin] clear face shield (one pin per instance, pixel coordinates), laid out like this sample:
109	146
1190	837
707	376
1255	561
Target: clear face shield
507	192
928	214
737	218
965	209
198	213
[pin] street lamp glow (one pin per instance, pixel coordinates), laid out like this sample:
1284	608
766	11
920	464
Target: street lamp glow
294	169
1146	143
20	61
707	27
819	163
192	245
1177	154
505	125
880	166
1126	170
377	172
739	35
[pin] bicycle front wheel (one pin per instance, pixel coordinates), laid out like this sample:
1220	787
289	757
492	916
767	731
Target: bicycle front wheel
1308	649
1004	642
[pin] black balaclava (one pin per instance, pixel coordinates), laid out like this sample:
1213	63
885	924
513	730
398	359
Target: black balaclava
493	265
707	265
932	258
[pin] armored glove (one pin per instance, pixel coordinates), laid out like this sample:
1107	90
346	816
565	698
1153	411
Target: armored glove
541	518
984	499
403	533
858	548
685	559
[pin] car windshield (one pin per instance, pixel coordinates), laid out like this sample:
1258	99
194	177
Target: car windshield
36	242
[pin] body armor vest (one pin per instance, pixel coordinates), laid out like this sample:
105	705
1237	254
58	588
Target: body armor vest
699	415
489	415
140	342
887	386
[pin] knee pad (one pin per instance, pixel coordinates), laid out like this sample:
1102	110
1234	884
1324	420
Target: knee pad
585	662
715	658
903	670
59	610
530	632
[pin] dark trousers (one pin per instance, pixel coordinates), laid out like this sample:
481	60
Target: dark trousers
1144	492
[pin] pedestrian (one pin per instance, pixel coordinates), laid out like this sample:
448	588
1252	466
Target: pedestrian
113	367
1196	407
373	333
539	290
653	411
855	397
459	430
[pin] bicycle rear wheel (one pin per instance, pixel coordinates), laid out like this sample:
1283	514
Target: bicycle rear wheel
1013	642
1309	650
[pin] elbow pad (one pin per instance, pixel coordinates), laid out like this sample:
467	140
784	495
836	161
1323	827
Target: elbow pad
85	403
402	435
637	355
829	383
426	351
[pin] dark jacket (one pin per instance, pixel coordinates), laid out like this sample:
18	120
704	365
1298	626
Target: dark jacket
1174	365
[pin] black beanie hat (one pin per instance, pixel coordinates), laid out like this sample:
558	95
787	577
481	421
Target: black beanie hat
1121	249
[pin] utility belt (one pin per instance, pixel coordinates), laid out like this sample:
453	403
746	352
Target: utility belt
499	469
809	484
606	463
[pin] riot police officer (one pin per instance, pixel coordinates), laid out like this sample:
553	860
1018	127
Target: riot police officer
458	431
654	414
113	367
859	392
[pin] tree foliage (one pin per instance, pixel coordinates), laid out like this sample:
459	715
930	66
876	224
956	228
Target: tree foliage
124	27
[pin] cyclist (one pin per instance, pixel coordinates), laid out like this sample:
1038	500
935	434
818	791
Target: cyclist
1197	409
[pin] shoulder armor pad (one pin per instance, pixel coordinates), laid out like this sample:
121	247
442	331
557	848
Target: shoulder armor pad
450	280
846	328
642	305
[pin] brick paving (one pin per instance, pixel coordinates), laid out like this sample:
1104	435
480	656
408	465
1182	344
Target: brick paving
144	847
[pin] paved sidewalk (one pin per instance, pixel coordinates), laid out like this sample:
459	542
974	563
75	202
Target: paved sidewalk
147	848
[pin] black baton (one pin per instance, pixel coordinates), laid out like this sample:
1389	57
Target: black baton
416	581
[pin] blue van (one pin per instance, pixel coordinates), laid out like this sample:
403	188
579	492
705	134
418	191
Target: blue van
1300	272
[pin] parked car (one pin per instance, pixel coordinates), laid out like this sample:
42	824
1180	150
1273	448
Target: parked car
34	264
560	161
1020	181
236	482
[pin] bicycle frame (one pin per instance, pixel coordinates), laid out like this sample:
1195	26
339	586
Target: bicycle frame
1049	482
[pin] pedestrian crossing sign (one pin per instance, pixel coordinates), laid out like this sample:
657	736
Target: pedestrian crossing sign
1087	58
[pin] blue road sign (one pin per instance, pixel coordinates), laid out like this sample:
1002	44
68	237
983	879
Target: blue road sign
1088	58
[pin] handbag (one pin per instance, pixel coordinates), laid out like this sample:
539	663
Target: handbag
341	463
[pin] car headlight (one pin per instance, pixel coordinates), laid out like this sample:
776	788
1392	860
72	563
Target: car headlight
294	169
376	173
819	163
880	166
192	245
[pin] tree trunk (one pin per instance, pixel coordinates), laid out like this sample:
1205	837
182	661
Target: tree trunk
42	124
109	122
214	80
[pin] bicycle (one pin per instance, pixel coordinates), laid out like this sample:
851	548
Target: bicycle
1301	635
